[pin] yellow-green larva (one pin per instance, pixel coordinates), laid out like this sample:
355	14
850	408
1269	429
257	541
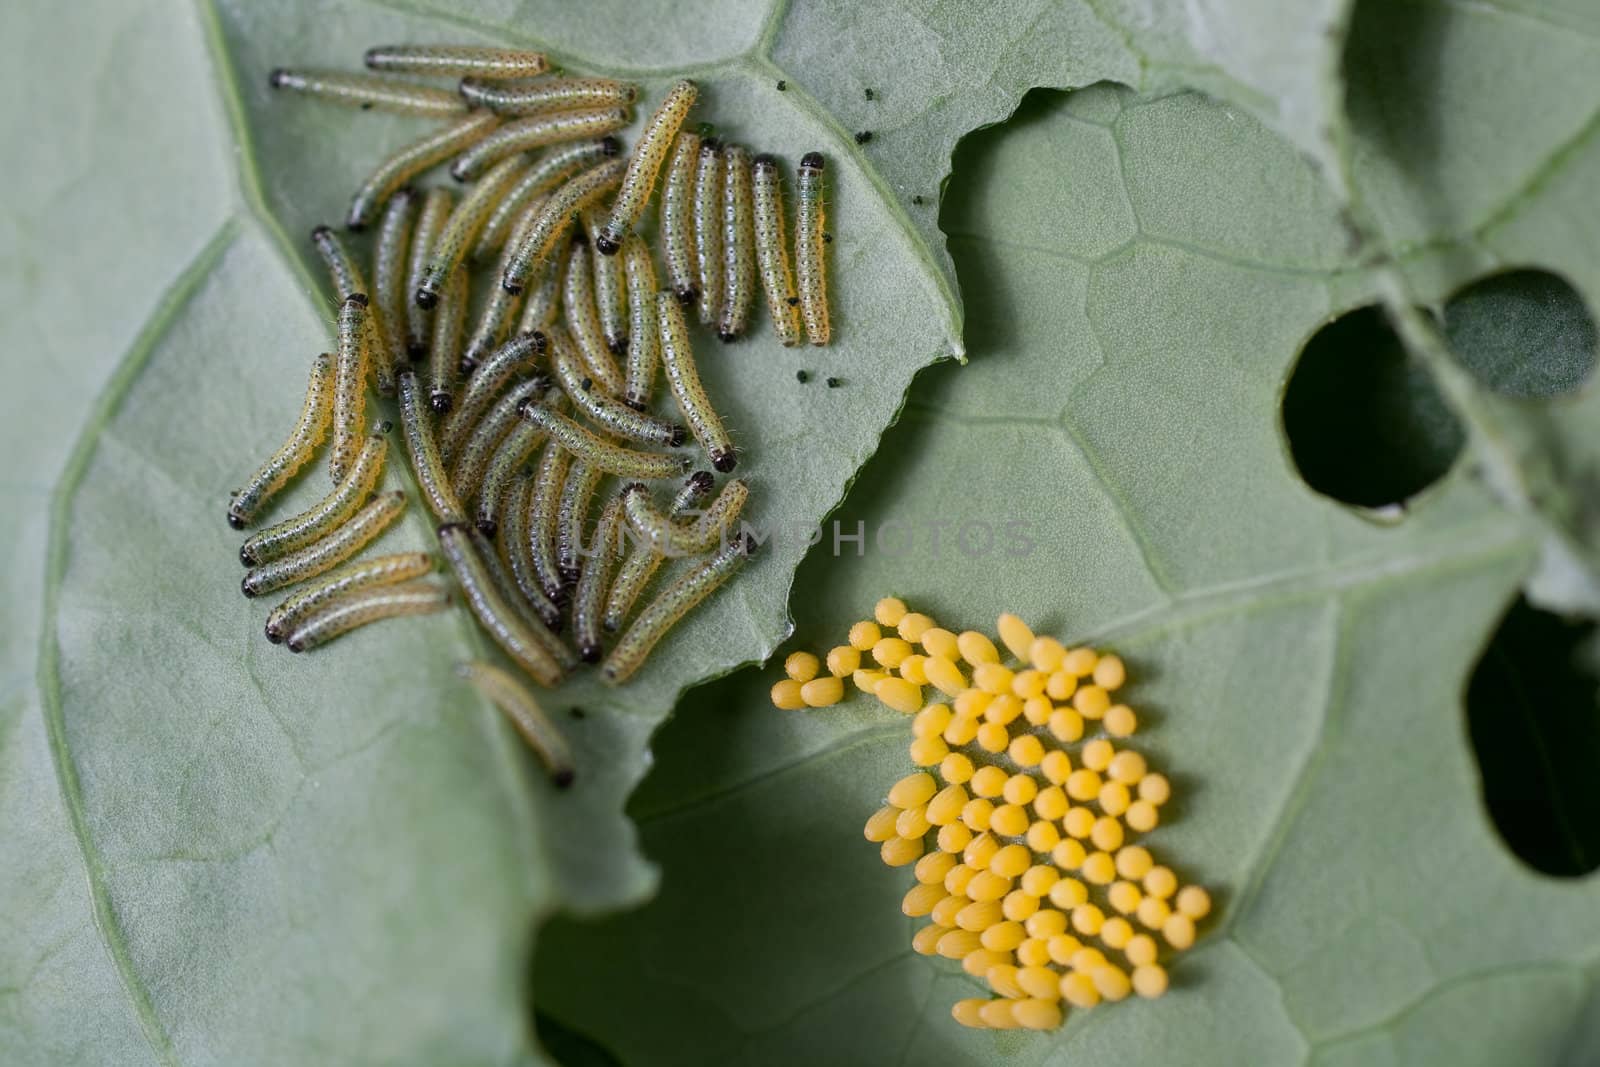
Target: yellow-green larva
341	502
536	131
644	338
444	354
548	94
547	172
490	608
514	449
360	574
329	551
602	408
412	160
309	429
436	206
432	479
643	561
462	228
674	539
541	626
371	92
603	455
738	244
485	382
544	504
389	276
670	605
677	220
583	318
542	308
772	250
645	164
575	195
466	473
349	281
589	601
499	307
530	720
360	607
677	359
708	229
572	513
457	61
610	291
516	539
810	267
349	385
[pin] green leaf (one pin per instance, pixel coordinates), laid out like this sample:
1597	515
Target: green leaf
1140	274
214	850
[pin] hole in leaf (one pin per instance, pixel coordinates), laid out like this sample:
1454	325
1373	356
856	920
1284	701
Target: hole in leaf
1533	707
1524	333
1365	422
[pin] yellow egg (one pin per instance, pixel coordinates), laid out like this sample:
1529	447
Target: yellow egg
1014	634
931	720
1120	721
822	692
786	695
1098	869
889	611
976	648
1149	981
1046	654
880	826
864	634
891	651
1109	673
936	642
801	666
1026	751
900	695
843	660
913	625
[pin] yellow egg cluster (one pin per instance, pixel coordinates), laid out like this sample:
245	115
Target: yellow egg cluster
1021	830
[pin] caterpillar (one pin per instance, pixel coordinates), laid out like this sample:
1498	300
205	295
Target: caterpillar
328	551
548	94
432	480
485	382
610	292
436	205
519	705
684	378
583	319
546	173
349	385
347	495
572	512
645	164
603	455
457	61
462	228
708	229
677	220
772	250
492	611
577	194
517	536
738	244
361	607
466	474
643	561
589	602
370	92
412	160
444	355
309	429
809	246
671	605
668	538
389	276
361	574
603	409
536	131
545	502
